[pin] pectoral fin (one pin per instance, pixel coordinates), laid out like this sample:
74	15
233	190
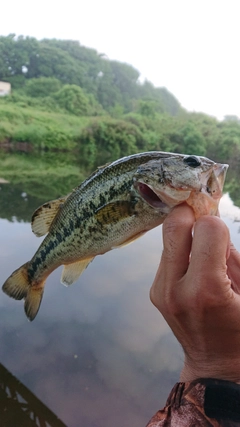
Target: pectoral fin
130	240
71	272
44	215
114	212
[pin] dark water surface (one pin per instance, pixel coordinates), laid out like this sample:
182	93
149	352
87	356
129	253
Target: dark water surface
98	353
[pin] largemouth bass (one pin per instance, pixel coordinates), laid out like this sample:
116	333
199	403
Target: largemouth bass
117	204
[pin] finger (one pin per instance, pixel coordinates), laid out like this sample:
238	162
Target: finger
233	264
177	240
210	248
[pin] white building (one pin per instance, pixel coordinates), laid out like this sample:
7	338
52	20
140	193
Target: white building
5	88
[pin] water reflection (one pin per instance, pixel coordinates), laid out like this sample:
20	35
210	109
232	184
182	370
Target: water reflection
38	177
19	405
98	353
99	346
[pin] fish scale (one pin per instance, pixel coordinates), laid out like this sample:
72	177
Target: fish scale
118	203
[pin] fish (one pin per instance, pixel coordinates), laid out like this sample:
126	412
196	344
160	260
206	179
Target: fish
114	206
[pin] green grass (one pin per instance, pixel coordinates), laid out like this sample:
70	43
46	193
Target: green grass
40	128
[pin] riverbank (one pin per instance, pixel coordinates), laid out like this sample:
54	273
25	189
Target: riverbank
96	140
38	128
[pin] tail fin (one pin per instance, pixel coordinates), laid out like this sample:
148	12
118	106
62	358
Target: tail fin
19	287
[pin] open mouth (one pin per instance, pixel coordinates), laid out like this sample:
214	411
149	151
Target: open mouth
215	181
149	196
210	184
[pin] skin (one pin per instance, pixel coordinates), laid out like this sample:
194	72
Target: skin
199	296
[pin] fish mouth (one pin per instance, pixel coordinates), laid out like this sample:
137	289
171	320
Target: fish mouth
212	183
147	193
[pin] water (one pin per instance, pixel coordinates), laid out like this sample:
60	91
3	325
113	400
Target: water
98	353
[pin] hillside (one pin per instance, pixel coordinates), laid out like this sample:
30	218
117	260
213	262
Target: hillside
68	97
108	85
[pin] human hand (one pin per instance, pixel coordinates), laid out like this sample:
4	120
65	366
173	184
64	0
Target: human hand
199	295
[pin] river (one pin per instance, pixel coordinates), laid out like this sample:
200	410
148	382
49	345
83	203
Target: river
98	353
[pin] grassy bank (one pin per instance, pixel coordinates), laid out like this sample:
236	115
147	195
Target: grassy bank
41	129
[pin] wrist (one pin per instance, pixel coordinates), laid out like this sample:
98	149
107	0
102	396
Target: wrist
228	370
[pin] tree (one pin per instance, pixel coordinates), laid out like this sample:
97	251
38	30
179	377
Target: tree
192	140
165	101
231	118
112	83
15	55
43	86
147	108
73	99
107	140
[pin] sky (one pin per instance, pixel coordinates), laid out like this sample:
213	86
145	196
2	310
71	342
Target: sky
191	47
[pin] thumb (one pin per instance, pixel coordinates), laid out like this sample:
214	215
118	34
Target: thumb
210	250
233	264
177	240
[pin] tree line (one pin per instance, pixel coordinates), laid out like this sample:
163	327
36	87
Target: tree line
69	97
50	66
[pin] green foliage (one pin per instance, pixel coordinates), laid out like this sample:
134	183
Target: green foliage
73	99
49	136
110	83
17	81
117	111
42	87
104	141
17	98
40	129
165	102
168	101
94	108
231	118
5	132
192	140
147	108
57	102
142	122
59	86
232	185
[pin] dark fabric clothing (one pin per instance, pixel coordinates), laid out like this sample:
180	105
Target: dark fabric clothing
203	402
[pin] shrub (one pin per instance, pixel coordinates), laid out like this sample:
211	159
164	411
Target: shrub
42	86
104	141
73	99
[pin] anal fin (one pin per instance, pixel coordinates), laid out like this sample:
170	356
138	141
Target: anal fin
71	272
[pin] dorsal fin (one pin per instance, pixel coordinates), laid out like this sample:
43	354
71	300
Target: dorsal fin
44	215
98	169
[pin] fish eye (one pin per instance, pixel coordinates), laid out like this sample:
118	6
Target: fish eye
192	161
